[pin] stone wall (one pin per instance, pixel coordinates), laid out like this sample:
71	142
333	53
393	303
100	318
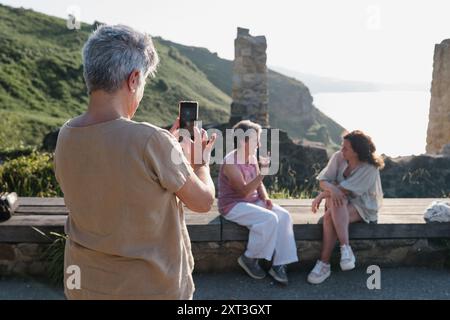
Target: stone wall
222	256
23	258
438	135
249	85
27	258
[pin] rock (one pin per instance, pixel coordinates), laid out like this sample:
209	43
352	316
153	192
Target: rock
360	245
389	243
37	268
235	245
49	142
20	268
445	151
5	267
30	249
424	176
438	134
213	245
249	84
7	252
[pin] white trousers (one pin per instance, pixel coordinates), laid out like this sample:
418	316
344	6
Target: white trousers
271	234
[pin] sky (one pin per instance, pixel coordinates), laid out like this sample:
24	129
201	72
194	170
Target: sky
381	41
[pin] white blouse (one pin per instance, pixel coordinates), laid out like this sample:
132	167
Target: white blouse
364	183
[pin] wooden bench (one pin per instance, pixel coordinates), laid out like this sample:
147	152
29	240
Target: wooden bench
398	219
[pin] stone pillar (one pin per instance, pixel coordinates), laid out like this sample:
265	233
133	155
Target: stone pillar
438	135
249	88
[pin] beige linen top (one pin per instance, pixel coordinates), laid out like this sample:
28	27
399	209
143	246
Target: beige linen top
126	227
364	183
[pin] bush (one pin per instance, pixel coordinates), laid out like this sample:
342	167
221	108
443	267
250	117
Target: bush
30	176
162	85
12	153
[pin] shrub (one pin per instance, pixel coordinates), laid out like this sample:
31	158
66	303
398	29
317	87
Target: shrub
30	176
162	85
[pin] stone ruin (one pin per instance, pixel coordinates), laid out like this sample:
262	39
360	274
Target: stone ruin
249	87
438	135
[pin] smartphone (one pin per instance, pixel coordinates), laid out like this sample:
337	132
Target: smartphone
188	112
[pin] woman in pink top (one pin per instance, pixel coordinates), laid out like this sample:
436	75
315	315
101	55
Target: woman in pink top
243	199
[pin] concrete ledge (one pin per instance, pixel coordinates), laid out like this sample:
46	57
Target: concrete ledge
398	219
400	238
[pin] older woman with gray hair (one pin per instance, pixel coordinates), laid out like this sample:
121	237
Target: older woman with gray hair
124	181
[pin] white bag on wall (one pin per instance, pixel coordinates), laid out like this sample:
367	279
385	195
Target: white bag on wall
438	211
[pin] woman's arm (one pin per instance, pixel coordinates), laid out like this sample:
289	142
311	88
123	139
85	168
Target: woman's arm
198	192
263	195
345	191
237	180
316	203
337	196
262	192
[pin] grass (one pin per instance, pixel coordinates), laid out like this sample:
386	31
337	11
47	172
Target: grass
41	80
41	84
54	255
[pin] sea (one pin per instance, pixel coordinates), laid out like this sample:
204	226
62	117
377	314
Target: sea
396	120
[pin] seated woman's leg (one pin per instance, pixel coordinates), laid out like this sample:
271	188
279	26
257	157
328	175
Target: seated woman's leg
341	220
353	214
329	237
342	216
262	224
322	270
285	248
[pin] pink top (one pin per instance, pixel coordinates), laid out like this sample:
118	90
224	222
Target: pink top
228	197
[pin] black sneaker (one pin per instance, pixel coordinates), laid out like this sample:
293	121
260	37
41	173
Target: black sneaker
252	267
279	274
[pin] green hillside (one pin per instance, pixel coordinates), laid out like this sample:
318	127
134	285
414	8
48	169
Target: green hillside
41	80
41	84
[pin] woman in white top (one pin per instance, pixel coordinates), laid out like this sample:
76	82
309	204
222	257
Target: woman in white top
351	185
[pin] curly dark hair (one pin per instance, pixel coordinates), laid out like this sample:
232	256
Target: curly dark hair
362	144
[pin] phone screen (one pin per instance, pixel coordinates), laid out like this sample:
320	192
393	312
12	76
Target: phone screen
188	115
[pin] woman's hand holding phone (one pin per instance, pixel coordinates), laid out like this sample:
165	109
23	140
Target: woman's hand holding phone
175	129
201	144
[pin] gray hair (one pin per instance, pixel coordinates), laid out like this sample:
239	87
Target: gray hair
112	53
247	128
246	125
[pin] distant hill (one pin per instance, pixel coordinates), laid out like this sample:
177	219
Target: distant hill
319	84
290	102
41	84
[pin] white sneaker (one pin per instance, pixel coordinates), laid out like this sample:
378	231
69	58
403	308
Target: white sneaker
347	258
319	273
